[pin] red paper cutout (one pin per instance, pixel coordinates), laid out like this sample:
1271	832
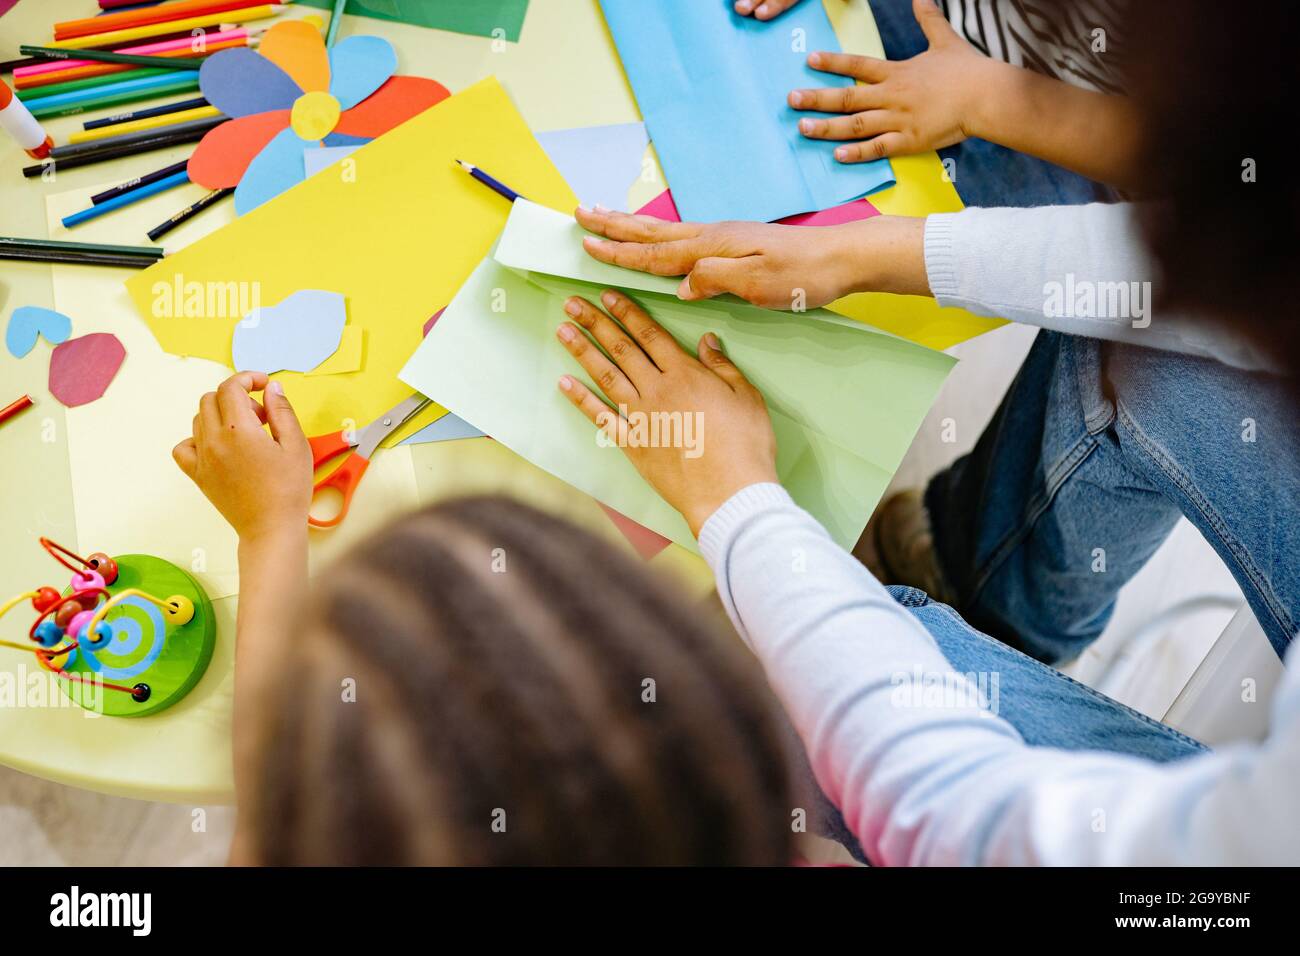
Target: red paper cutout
391	105
82	368
223	157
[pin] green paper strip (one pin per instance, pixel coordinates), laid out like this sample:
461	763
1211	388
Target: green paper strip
478	18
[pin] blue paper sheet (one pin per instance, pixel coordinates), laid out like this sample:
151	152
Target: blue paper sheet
448	428
296	334
712	88
600	163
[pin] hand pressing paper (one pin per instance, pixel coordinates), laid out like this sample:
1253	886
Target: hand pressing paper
845	400
712	86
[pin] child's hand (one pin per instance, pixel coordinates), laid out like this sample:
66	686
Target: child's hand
776	267
906	106
694	428
261	483
763	9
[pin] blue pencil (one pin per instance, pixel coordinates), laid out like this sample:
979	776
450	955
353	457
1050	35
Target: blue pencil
135	195
493	184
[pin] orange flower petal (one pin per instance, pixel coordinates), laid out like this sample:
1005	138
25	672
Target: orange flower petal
224	153
296	47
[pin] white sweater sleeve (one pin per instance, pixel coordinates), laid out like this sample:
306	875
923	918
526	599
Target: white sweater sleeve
1083	270
954	784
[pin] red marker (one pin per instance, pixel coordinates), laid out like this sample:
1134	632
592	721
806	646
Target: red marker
22	126
12	409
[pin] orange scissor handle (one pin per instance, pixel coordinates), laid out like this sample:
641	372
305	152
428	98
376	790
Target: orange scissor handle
325	447
344	479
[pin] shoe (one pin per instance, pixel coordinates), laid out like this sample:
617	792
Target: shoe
898	546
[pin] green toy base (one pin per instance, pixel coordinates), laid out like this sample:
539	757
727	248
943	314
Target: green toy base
145	649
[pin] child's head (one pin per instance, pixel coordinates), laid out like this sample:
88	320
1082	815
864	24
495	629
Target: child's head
482	683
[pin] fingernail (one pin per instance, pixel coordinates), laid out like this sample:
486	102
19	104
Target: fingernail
807	126
275	388
796	99
711	341
608	298
842	153
565	332
566	383
573	307
599	208
583	208
592	242
744	6
814	59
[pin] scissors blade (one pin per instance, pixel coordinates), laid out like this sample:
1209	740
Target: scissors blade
372	436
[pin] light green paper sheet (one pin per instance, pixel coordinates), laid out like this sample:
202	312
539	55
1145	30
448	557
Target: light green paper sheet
845	400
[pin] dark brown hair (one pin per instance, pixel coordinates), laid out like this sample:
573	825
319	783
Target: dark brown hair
1216	83
498	656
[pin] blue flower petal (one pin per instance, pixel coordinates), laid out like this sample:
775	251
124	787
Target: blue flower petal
279	166
359	66
240	82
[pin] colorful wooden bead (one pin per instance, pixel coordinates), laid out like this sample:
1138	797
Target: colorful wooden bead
45	599
87	581
48	634
103	634
105	566
78	622
66	612
179	610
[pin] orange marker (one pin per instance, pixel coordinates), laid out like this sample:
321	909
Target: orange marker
22	126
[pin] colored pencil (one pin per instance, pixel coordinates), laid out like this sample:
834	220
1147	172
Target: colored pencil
107	56
181	46
59	245
60	153
158	139
336	20
162	13
493	184
69	104
139	181
14	407
79	259
8	66
153	122
262	12
167	108
31	79
189	212
94	211
33	93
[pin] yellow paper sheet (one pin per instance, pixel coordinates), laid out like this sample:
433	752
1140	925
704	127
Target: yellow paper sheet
128	495
347	357
398	239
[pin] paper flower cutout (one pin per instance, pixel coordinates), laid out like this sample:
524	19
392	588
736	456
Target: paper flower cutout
295	95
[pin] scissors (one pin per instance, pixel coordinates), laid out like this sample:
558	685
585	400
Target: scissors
360	448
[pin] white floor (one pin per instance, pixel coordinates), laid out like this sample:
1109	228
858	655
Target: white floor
47	824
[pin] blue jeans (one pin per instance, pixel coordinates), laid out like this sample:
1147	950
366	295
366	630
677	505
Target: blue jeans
1046	707
984	173
1095	452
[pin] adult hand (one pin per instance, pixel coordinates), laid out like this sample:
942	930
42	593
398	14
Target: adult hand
776	267
691	424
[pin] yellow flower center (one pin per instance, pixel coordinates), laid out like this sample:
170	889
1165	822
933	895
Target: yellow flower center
315	115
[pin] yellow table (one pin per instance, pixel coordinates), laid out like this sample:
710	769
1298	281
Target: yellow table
563	73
